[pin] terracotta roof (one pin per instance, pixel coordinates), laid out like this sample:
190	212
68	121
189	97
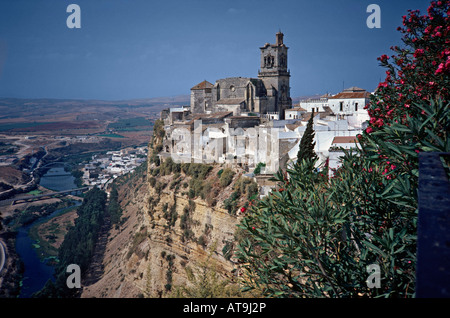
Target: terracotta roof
296	109
203	85
245	117
292	127
345	140
346	95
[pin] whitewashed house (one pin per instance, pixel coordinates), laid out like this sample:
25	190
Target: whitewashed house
294	113
335	152
349	104
316	104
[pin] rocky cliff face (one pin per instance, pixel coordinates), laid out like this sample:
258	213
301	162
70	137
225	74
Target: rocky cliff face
165	229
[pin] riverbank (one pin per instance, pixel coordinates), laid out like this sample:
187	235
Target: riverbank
49	235
38	268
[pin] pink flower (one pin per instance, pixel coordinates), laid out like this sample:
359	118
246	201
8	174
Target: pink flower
369	130
444	53
440	69
383	58
418	52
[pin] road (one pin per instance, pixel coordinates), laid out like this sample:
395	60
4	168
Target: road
32	181
2	256
43	196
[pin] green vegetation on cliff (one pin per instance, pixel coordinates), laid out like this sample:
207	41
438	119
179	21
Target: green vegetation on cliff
79	243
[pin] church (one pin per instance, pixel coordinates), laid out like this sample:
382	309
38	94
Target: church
267	95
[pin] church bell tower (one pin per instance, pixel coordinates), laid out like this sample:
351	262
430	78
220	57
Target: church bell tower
275	75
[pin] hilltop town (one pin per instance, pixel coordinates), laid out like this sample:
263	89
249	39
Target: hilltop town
251	122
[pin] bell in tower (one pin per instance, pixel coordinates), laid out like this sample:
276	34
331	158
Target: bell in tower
275	75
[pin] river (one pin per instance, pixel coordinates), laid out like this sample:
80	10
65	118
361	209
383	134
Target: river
58	179
37	273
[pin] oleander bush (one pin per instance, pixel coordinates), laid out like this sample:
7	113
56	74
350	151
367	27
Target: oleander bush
315	236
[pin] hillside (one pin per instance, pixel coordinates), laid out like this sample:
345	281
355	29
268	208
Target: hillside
173	221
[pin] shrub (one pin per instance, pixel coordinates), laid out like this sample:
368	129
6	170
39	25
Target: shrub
314	237
258	168
226	177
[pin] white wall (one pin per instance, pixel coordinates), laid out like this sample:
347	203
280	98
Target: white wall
316	104
348	105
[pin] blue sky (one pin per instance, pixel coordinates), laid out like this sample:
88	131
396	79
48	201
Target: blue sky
144	48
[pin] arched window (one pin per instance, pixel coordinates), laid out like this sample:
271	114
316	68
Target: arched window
282	61
269	61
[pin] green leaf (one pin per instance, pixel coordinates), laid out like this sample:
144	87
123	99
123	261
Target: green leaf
375	249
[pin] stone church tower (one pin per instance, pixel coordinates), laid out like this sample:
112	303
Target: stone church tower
269	94
275	75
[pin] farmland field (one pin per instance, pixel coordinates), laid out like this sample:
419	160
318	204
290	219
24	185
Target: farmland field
131	124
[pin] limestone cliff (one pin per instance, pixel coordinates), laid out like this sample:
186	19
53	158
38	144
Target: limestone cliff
167	227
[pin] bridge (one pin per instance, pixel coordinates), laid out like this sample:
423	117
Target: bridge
58	194
56	175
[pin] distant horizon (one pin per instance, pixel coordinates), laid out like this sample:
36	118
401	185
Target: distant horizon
187	96
151	48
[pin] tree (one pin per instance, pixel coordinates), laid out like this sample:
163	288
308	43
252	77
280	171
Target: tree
78	245
419	70
307	143
316	238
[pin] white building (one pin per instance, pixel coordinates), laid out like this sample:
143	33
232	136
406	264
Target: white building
335	152
316	104
294	113
348	104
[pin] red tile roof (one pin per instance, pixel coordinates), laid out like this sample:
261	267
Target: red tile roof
296	109
345	95
345	140
203	85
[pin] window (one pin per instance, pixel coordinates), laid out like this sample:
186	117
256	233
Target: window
341	106
356	107
269	60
